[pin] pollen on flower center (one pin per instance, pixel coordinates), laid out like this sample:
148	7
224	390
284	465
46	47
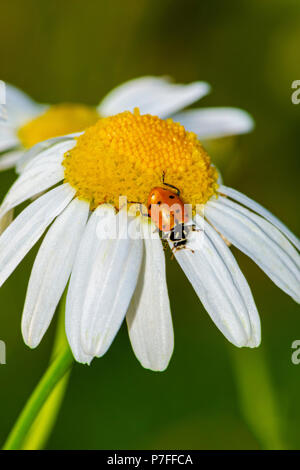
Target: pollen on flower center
58	120
126	155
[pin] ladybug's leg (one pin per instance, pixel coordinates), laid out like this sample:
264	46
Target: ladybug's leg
184	247
169	185
173	252
177	248
194	229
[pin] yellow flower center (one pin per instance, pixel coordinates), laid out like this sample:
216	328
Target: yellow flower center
58	120
126	155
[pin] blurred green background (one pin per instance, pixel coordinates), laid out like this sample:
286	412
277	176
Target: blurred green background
71	50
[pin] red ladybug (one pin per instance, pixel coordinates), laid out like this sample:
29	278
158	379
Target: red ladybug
168	213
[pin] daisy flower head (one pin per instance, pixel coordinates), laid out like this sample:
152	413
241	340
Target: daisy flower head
25	123
113	277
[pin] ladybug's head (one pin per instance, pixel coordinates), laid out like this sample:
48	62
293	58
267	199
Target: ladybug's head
156	196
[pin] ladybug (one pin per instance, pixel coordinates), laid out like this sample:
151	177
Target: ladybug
167	211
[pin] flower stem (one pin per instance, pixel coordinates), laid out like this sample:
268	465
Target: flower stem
42	426
258	401
56	371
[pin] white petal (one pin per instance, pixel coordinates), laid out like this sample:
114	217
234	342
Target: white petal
8	137
46	148
39	175
246	201
37	156
215	122
101	286
217	288
77	285
3	110
6	220
110	285
152	95
260	240
28	227
149	318
20	107
10	159
237	277
51	270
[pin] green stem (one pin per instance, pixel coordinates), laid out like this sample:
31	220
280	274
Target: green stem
52	376
42	426
257	398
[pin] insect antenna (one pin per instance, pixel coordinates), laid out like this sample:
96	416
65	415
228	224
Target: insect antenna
169	185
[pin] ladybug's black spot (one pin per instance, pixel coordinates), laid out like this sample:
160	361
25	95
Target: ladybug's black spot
172	197
159	203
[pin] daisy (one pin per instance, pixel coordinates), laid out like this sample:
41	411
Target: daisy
111	278
26	123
